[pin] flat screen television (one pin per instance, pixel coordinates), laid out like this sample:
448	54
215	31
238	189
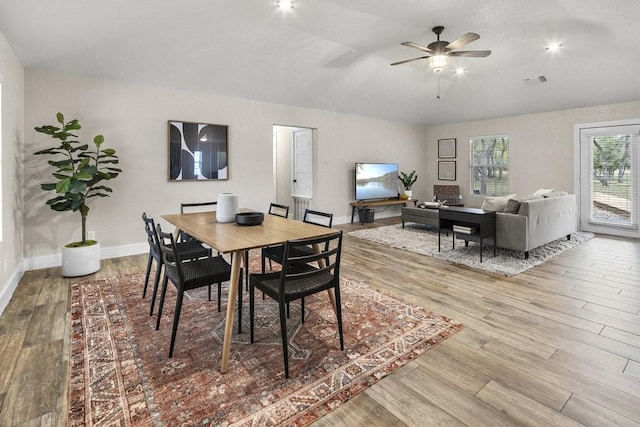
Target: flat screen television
376	181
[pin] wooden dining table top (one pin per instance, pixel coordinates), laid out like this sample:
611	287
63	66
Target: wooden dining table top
226	237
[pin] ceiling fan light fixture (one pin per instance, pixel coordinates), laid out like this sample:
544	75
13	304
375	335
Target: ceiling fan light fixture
437	62
284	4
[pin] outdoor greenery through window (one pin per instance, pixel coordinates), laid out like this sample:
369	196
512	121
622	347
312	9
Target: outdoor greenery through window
490	165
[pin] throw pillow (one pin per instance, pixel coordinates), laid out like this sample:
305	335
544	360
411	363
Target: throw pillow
555	194
496	204
543	191
513	206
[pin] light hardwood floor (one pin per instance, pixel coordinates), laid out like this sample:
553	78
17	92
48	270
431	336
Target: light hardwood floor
557	345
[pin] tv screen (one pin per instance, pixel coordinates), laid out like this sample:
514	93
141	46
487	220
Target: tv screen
376	181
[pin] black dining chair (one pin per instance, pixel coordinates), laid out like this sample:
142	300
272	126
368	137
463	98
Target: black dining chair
191	275
298	279
275	253
272	251
186	251
198	206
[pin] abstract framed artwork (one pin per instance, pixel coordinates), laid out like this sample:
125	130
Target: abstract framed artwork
447	148
198	151
447	170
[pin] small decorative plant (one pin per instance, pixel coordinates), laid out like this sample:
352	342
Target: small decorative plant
408	180
79	172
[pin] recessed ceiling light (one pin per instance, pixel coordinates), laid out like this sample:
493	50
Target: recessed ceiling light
554	47
459	71
284	4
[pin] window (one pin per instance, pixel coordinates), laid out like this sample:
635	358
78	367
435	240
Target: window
490	165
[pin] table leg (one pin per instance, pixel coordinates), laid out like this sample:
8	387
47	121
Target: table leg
238	258
353	211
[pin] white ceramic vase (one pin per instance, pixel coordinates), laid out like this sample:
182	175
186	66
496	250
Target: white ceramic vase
80	261
227	207
408	193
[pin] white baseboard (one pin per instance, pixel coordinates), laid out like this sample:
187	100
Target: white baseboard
10	288
48	261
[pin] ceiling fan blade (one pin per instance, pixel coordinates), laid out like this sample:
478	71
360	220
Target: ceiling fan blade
471	53
410	60
461	41
416	46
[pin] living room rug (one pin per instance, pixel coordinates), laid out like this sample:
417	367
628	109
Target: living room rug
121	373
423	240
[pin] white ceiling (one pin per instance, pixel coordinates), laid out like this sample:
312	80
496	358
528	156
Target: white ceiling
335	54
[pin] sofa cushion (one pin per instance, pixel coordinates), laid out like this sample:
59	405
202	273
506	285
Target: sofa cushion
513	206
496	204
555	194
543	191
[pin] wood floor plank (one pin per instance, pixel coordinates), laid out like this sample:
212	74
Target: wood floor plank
589	413
465	408
51	325
525	411
37	381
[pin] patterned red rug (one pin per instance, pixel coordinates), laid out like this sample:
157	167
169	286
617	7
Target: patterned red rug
121	375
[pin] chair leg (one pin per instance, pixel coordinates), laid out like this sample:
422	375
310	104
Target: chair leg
162	295
146	277
302	308
251	312
285	344
339	315
156	282
209	289
288	312
176	319
219	295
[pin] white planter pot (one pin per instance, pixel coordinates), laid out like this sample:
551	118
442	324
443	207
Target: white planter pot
227	207
408	193
80	261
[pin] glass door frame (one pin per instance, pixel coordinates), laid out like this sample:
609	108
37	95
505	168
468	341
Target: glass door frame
582	160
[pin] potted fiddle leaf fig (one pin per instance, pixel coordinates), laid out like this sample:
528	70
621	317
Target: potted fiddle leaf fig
80	170
407	181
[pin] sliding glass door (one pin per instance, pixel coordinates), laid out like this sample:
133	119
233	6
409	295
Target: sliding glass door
609	195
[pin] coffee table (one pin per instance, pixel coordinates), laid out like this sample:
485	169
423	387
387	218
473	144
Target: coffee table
481	223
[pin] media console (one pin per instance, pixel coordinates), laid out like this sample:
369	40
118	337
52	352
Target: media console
363	204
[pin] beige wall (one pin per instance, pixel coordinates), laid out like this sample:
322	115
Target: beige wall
12	80
133	119
540	147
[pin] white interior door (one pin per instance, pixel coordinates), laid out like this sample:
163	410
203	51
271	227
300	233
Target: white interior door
609	194
302	167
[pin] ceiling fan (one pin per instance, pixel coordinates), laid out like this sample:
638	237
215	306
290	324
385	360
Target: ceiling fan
439	52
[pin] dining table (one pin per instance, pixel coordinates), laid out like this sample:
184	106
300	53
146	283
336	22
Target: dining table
236	240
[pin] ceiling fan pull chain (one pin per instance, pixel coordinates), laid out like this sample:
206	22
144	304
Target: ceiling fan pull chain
438	78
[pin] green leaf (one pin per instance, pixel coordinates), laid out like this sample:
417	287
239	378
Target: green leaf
48	187
60	118
63	186
98	140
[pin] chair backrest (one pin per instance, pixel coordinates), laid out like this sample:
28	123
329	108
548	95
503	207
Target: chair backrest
279	210
193	207
169	251
327	258
152	237
447	193
317	217
199	205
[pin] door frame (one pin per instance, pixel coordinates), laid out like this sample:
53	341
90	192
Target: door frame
577	173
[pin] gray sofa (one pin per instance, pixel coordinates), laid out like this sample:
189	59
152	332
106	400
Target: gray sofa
537	222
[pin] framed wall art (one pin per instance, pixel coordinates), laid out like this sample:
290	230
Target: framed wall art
447	148
198	151
447	170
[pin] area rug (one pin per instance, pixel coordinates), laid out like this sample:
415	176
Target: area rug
423	240
121	374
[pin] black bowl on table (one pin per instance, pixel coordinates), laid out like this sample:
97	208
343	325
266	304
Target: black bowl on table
249	218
